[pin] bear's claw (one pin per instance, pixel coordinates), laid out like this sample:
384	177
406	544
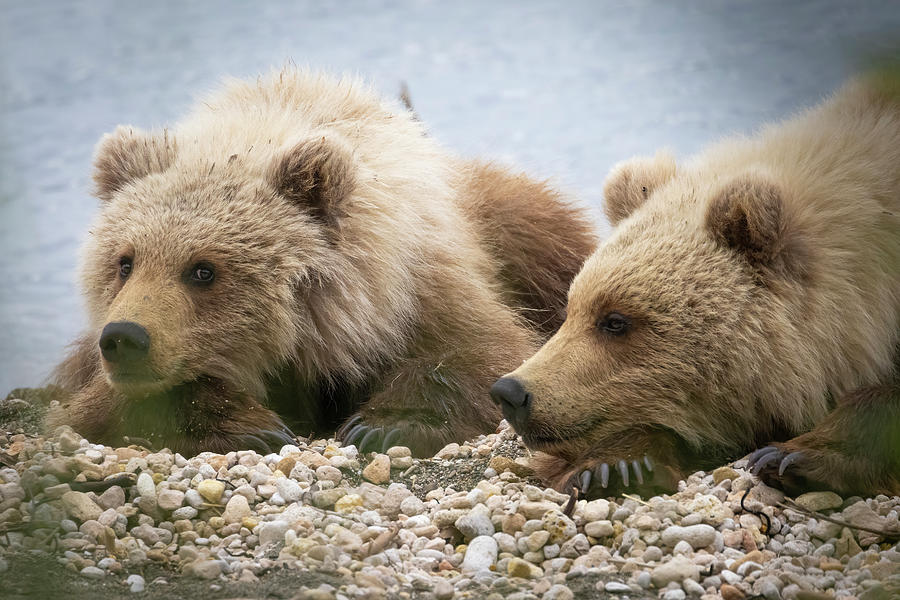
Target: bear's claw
367	438
771	464
788	461
265	441
602	470
758	460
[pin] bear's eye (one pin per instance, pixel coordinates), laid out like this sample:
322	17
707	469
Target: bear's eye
125	266
614	324
202	274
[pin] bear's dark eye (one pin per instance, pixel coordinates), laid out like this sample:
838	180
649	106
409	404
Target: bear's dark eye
614	324
202	274
125	266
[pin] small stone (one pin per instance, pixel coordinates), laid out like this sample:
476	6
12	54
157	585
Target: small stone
537	540
286	465
402	462
204	569
616	587
512	523
677	569
313	460
146	487
698	536
682	548
558	592
674	594
536	510
412	506
846	545
327	498
442	589
398	452
289	489
599	529
272	532
93	573
449	451
170	500
522	568
379	470
560	527
596	510
236	509
473	524
136	583
754	556
69	441
211	490
504	463
481	554
113	497
723	473
329	473
729	592
819	501
185	512
348	502
80	506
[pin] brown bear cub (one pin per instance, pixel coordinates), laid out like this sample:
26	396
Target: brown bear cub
749	299
296	255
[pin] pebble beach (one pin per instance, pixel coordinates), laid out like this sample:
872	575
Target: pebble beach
471	522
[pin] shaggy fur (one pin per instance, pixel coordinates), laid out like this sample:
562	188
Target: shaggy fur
358	269
760	283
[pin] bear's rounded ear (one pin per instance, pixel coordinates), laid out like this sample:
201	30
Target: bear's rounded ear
318	174
128	154
631	182
747	216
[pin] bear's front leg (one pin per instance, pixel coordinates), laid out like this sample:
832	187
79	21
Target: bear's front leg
855	450
91	410
424	405
207	415
203	415
636	462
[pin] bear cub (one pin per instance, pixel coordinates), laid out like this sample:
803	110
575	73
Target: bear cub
298	255
749	299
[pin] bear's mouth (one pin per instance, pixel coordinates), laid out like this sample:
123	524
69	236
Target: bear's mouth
543	439
135	381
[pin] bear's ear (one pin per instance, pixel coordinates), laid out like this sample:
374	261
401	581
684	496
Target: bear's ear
128	154
747	216
631	182
318	174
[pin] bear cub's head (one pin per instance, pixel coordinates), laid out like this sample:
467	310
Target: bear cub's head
669	324
193	267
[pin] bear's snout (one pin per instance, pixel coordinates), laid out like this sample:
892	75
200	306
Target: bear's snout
514	400
124	342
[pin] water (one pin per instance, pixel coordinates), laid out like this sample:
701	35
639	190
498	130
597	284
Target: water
562	90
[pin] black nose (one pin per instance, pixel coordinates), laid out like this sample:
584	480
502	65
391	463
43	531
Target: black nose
510	394
124	341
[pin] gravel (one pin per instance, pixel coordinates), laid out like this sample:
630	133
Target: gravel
473	523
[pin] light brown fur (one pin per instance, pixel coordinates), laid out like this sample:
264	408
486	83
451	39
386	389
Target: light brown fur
761	281
358	268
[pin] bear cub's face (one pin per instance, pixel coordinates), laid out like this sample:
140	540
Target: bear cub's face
658	324
192	268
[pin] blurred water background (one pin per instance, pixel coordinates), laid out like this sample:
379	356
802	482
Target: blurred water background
560	89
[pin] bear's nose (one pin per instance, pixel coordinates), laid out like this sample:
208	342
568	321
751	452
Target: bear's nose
124	341
510	395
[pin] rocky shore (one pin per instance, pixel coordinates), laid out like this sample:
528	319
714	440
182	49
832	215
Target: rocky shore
318	520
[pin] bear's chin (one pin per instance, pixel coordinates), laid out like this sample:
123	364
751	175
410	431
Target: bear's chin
138	385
